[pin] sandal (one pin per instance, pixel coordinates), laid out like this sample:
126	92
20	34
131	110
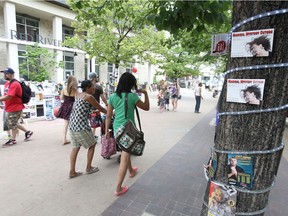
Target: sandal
92	170
28	134
122	191
78	173
135	171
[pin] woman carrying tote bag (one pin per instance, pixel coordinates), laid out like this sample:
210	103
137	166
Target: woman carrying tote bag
127	82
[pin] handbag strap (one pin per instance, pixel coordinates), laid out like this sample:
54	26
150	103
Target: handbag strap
126	110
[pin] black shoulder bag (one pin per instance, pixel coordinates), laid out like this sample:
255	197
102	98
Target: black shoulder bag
128	137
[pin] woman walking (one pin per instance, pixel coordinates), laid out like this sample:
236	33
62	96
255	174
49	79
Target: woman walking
127	82
80	130
68	95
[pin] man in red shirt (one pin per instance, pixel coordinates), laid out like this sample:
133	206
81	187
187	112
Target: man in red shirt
13	106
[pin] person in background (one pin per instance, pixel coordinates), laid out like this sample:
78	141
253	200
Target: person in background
127	82
13	107
175	92
167	98
198	97
60	88
80	131
68	95
98	93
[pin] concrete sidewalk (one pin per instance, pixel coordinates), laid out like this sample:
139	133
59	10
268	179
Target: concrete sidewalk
175	184
34	175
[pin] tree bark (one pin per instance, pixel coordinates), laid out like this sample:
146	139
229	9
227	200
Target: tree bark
262	131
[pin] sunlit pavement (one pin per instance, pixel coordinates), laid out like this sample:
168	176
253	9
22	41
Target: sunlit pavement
34	175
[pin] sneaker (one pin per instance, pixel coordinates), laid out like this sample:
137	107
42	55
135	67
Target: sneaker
9	143
28	134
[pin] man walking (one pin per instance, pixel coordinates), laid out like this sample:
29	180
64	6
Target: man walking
198	97
13	106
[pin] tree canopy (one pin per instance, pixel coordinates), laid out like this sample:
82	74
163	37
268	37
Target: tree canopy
117	31
123	32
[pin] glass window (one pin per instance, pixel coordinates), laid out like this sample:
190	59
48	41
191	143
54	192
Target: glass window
22	60
27	28
68	58
67	32
97	69
110	67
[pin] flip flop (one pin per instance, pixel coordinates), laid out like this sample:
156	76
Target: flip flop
123	191
78	173
135	171
67	142
92	170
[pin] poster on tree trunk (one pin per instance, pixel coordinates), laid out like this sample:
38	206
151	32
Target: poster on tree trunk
249	91
240	170
211	166
222	200
256	43
219	44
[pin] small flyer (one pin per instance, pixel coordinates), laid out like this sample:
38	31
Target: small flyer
256	43
222	200
48	109
211	166
240	170
219	44
249	91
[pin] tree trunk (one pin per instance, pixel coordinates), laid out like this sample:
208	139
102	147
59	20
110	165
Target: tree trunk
261	131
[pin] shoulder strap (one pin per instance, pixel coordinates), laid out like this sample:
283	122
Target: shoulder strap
13	80
126	109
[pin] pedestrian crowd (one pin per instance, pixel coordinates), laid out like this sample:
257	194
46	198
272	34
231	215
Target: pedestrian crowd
166	93
79	108
81	113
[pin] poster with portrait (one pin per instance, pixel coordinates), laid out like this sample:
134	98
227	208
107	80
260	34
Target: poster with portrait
249	91
222	200
219	44
240	170
211	166
48	109
256	43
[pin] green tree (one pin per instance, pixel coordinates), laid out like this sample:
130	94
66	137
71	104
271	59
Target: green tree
192	24
117	31
176	63
39	64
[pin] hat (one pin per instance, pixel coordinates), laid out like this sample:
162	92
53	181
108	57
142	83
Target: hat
8	71
93	75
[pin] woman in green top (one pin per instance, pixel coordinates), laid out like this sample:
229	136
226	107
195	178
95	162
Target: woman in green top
127	82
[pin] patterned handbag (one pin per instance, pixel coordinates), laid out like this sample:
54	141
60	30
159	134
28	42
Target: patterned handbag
108	147
95	119
128	137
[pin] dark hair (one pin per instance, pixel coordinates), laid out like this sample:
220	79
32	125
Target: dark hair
126	82
86	84
263	40
253	89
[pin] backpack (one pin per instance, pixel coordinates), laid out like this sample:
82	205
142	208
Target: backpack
26	91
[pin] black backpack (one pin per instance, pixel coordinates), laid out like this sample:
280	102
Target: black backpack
26	91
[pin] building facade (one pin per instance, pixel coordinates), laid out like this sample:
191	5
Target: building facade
47	23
